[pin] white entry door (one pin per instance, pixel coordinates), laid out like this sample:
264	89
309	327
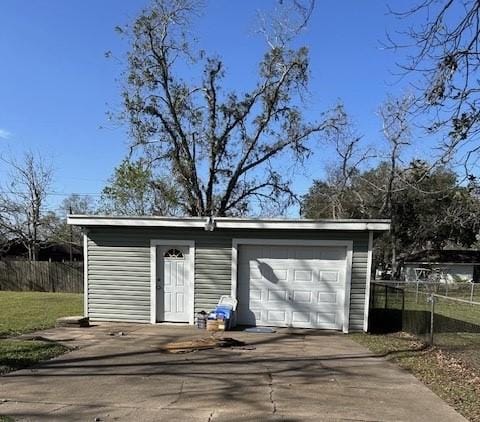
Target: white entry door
292	286
173	287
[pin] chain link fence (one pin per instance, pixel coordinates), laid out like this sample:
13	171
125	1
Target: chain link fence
461	290
445	316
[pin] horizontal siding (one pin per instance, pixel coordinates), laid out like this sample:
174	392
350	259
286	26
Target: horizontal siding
213	272
118	268
118	278
359	280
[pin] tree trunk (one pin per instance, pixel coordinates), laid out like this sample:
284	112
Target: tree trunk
393	244
394	257
35	252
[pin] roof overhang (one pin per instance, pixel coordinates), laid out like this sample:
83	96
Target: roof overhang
228	223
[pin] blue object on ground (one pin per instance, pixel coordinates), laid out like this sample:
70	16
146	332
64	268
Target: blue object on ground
226	312
259	330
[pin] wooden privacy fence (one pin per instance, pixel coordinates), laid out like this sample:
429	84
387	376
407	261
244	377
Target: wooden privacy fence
41	276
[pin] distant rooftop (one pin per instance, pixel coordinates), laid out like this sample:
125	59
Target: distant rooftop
463	256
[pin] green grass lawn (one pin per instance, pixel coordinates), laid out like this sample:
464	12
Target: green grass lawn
450	308
445	373
17	354
24	312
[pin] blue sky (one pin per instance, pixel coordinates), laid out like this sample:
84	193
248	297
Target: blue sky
56	86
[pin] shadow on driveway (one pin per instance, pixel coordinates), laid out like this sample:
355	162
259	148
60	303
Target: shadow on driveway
290	375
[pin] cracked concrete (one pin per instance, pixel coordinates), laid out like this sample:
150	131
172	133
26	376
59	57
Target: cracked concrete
287	376
272	400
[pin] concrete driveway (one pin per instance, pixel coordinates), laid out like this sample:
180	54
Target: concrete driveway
291	376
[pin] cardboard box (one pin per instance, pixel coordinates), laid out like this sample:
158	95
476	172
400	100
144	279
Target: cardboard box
212	325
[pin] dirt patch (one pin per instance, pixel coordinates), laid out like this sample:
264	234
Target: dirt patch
205	343
450	376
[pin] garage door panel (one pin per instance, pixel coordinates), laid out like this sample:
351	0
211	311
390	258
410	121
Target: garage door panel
299	317
255	294
276	316
302	275
300	296
331	298
330	277
326	318
300	286
277	295
280	275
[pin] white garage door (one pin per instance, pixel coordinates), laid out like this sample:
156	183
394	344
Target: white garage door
297	286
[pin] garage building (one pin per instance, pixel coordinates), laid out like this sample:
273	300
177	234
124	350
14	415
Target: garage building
286	273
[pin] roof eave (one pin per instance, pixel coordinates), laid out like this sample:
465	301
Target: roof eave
229	223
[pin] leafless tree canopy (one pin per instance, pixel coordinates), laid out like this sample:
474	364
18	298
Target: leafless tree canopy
22	199
220	147
443	51
285	22
337	192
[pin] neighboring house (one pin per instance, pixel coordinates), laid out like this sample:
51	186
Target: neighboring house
285	273
48	251
450	265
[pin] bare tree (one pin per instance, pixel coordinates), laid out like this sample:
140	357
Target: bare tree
396	130
22	199
221	148
443	56
55	224
77	204
285	22
349	155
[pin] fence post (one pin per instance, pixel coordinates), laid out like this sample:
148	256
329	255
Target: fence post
386	296
416	292
431	299
51	277
372	296
471	292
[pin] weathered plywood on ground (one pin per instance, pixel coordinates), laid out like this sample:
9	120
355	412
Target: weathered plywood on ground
201	343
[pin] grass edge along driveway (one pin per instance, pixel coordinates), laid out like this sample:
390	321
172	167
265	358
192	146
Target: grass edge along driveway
445	375
18	354
24	312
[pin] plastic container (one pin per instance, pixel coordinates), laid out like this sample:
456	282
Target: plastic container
224	312
202	320
225	301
